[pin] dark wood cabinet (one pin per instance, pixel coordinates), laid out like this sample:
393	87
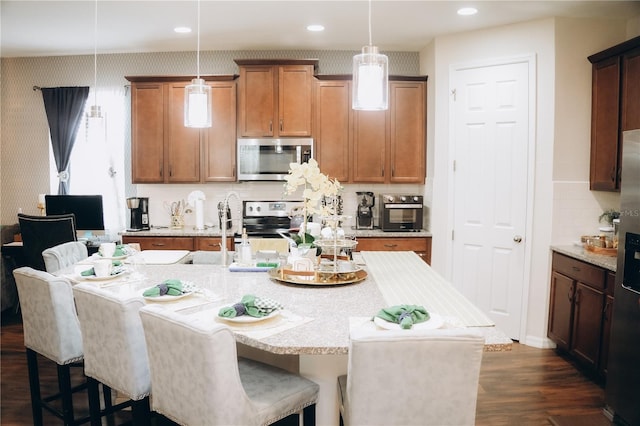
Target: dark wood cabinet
163	150
615	107
275	98
579	313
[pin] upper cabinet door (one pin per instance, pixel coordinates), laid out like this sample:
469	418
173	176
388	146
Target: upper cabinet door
630	109
370	135
407	132
220	139
183	143
257	103
295	88
332	128
147	132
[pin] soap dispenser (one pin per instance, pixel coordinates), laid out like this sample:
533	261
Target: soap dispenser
245	249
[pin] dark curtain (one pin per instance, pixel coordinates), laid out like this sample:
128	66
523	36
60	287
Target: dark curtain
64	107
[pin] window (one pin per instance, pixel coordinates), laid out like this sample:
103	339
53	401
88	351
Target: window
97	160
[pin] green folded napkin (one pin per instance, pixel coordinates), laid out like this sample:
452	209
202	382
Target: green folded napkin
168	287
121	250
250	305
405	315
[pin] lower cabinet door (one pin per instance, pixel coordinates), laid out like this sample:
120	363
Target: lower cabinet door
561	310
587	325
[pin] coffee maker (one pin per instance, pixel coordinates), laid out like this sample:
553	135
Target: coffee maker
139	213
364	218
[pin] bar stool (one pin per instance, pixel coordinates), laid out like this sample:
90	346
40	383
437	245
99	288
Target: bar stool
51	329
115	353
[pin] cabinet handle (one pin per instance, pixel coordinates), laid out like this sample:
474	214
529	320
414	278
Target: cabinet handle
575	268
158	244
170	171
382	173
281	125
161	171
613	174
270	126
391	245
393	172
605	311
569	298
577	298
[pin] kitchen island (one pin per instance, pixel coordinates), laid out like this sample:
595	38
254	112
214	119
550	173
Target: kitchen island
311	336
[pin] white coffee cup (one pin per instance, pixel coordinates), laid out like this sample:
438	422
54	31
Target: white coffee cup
107	249
102	267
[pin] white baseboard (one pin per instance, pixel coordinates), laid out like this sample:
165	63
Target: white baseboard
537	342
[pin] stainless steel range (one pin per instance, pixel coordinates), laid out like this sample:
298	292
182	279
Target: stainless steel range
266	218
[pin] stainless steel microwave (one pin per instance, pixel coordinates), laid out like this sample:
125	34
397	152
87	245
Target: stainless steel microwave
269	159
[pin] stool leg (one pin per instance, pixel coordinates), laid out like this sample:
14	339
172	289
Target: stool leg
141	412
309	415
94	401
34	386
64	384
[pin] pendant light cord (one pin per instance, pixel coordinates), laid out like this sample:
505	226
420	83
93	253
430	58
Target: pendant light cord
95	53
370	42
198	52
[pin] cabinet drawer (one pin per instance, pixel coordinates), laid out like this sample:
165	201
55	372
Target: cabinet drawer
161	243
212	243
579	271
392	244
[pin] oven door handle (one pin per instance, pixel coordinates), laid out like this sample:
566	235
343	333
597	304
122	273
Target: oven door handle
403	206
626	287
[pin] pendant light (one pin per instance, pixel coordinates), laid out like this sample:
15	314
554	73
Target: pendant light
95	120
197	96
370	78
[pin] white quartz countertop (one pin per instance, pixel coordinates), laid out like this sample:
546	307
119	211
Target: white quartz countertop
319	315
578	252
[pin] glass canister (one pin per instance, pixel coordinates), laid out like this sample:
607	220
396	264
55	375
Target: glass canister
616	225
606	236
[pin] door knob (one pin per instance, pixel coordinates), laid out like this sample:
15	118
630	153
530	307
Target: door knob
517	239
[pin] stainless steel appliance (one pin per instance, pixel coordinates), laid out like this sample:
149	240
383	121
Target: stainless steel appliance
139	207
364	217
269	159
623	376
267	218
399	212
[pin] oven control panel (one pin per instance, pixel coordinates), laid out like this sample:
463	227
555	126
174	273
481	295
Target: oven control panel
269	208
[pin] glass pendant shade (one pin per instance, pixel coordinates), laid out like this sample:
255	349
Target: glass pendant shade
197	104
370	80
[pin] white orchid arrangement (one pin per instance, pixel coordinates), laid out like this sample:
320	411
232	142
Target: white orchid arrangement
315	184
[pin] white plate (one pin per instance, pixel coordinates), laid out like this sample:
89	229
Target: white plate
248	319
108	277
434	321
124	256
188	288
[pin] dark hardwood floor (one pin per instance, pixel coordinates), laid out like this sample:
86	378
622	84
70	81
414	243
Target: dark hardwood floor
522	387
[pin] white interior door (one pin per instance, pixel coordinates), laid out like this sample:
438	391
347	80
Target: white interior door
491	139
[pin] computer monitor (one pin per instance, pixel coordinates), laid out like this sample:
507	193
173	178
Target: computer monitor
88	210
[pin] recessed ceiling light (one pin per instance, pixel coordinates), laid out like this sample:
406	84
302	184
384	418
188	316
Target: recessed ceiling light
182	30
467	11
315	27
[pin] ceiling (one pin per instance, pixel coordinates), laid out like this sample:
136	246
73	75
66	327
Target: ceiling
58	28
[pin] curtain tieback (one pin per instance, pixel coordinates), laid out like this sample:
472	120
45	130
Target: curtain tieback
63	176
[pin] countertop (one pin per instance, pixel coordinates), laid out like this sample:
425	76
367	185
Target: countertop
189	231
329	309
578	252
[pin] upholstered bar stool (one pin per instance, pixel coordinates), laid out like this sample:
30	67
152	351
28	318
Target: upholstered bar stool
51	329
403	377
198	379
63	255
115	352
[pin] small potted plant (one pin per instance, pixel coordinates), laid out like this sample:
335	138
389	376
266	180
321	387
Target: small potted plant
608	216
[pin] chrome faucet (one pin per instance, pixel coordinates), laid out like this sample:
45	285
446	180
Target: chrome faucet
223	223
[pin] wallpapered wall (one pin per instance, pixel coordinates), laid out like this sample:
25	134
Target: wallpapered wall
24	138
